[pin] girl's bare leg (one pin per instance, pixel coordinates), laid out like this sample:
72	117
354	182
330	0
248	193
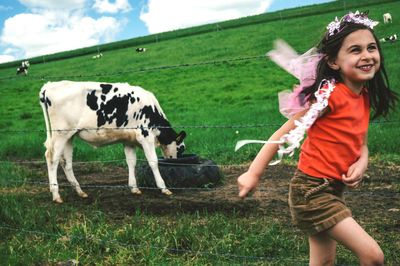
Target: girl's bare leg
350	234
322	249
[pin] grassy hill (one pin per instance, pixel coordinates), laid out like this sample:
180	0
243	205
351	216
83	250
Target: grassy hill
334	6
198	83
220	88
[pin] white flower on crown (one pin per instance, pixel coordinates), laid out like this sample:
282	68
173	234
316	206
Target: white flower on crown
333	27
357	18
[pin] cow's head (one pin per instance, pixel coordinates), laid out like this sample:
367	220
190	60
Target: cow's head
176	148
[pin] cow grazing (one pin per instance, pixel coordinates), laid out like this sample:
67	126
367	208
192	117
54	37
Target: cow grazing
102	114
23	69
140	50
387	18
391	38
98	56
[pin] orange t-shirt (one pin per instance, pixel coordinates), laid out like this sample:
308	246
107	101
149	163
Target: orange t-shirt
334	141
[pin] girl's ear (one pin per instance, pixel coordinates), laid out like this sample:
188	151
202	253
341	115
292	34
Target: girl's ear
332	64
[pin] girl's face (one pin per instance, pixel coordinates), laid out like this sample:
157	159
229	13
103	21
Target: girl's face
358	59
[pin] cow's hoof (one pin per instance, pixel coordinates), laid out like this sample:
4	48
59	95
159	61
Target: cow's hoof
136	191
58	200
166	191
83	194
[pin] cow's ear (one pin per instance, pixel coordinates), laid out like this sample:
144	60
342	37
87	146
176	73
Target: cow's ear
180	137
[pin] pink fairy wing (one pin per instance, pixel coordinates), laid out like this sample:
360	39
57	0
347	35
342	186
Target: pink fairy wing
282	55
290	103
303	67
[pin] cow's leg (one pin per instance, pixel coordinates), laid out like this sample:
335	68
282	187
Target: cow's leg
130	155
67	167
54	150
151	156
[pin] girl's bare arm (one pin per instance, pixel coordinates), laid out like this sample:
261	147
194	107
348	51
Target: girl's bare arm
249	180
355	173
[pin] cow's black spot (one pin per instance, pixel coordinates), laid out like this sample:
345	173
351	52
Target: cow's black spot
134	116
45	99
132	100
42	96
105	88
145	132
116	108
181	149
108	111
138	99
101	120
91	100
157	120
115	89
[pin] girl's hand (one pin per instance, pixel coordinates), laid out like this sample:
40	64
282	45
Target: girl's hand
355	174
246	183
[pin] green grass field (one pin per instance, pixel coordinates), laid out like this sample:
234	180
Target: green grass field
218	87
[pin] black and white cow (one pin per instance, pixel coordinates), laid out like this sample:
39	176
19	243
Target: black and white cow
391	38
23	69
102	114
141	50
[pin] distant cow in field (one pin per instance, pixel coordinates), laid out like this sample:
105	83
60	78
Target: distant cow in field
103	114
387	18
23	69
98	56
140	50
391	38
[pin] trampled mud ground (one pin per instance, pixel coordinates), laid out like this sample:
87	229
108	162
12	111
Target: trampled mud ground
377	200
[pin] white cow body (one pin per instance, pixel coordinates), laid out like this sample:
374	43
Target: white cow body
387	17
103	114
98	56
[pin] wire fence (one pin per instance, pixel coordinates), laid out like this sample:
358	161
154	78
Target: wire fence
95	239
159	162
108	241
152	127
383	192
237	126
140	70
119	187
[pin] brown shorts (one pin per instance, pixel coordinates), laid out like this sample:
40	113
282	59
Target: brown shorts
316	204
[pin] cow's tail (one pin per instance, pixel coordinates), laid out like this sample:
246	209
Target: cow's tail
44	103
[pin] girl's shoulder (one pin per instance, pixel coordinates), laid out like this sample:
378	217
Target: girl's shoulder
342	96
338	96
342	88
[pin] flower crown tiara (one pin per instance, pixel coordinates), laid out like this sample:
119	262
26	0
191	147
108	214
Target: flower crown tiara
358	18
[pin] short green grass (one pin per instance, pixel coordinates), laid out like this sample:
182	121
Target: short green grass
229	96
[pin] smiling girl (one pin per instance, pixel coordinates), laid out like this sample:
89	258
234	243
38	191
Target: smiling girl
349	79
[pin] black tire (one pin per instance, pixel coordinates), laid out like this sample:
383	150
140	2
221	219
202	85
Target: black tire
204	173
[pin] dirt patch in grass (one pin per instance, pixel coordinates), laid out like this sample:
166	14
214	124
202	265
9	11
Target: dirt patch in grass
376	201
